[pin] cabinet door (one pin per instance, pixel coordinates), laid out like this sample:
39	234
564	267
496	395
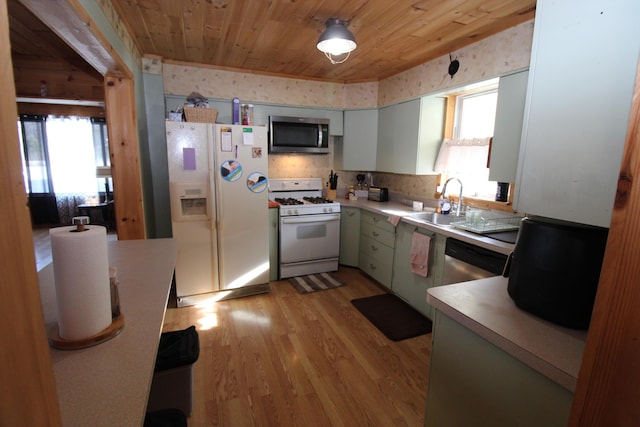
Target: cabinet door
507	132
407	285
581	79
274	223
409	135
498	390
349	236
430	134
386	131
405	141
360	141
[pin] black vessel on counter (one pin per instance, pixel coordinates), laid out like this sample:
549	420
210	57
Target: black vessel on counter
555	268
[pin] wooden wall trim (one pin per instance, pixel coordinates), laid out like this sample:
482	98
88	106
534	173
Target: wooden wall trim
608	389
125	157
69	20
60	110
27	384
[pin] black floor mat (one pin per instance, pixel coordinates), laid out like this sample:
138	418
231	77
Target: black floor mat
396	319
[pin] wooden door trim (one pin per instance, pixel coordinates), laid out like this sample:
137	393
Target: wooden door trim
27	383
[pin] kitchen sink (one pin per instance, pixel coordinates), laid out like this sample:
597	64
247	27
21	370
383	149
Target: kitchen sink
436	218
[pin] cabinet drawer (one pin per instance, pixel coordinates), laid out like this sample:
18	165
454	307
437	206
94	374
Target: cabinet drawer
379	270
379	221
383	236
373	248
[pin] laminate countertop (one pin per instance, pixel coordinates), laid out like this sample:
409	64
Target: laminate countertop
108	384
402	212
484	307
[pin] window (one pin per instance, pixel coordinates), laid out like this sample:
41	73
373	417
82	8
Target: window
60	154
475	114
464	153
35	155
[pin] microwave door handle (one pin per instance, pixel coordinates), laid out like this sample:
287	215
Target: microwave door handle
319	136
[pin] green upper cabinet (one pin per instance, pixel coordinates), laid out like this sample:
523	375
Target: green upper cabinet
409	136
357	151
507	132
581	82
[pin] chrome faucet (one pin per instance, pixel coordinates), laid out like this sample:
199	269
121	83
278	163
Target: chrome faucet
444	190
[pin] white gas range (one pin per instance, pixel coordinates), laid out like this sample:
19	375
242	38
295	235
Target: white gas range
309	237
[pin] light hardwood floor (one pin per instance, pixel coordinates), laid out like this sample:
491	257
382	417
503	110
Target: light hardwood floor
285	359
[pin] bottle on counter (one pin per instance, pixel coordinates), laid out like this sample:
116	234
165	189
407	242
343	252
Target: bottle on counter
350	194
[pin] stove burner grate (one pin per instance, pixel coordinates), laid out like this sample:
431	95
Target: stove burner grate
288	201
317	200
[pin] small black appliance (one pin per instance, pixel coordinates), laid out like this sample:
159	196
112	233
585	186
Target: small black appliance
555	269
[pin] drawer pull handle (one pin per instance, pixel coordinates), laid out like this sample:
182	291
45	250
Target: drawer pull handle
375	234
373	267
376	219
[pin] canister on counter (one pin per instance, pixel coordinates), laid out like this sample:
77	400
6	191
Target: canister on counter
502	192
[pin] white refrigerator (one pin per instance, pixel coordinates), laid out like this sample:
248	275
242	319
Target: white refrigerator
219	209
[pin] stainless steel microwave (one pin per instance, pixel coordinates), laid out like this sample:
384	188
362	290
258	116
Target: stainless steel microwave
298	135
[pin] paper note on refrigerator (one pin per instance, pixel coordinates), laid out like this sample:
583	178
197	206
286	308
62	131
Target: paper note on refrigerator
247	136
225	139
189	158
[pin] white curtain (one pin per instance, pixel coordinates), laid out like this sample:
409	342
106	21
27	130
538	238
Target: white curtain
72	161
466	159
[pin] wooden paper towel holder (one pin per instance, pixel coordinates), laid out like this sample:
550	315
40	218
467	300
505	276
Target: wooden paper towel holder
56	341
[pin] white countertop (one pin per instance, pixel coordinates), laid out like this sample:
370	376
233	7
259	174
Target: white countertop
108	384
484	307
403	210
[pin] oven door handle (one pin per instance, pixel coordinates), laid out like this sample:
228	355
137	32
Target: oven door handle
310	218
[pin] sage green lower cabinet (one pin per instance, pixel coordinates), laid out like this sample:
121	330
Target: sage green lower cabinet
377	240
349	236
407	285
474	383
274	224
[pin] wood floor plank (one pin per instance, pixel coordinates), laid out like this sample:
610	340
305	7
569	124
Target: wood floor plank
286	359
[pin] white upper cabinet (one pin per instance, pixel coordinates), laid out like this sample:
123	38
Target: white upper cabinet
357	152
409	135
581	80
507	132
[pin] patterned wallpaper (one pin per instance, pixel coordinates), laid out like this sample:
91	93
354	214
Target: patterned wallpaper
500	54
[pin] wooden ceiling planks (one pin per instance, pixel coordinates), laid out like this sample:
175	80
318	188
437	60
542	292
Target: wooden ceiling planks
279	36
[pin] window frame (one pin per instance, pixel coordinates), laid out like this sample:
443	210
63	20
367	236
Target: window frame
450	113
42	145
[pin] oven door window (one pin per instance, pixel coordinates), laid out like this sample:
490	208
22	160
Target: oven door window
309	238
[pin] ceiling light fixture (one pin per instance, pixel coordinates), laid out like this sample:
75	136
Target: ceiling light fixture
336	41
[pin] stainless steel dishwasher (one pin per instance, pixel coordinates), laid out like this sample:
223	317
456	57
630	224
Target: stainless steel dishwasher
464	261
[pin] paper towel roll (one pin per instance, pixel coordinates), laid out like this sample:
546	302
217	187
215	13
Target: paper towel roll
81	273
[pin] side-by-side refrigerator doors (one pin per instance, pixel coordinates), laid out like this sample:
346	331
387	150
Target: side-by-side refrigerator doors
240	176
192	209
